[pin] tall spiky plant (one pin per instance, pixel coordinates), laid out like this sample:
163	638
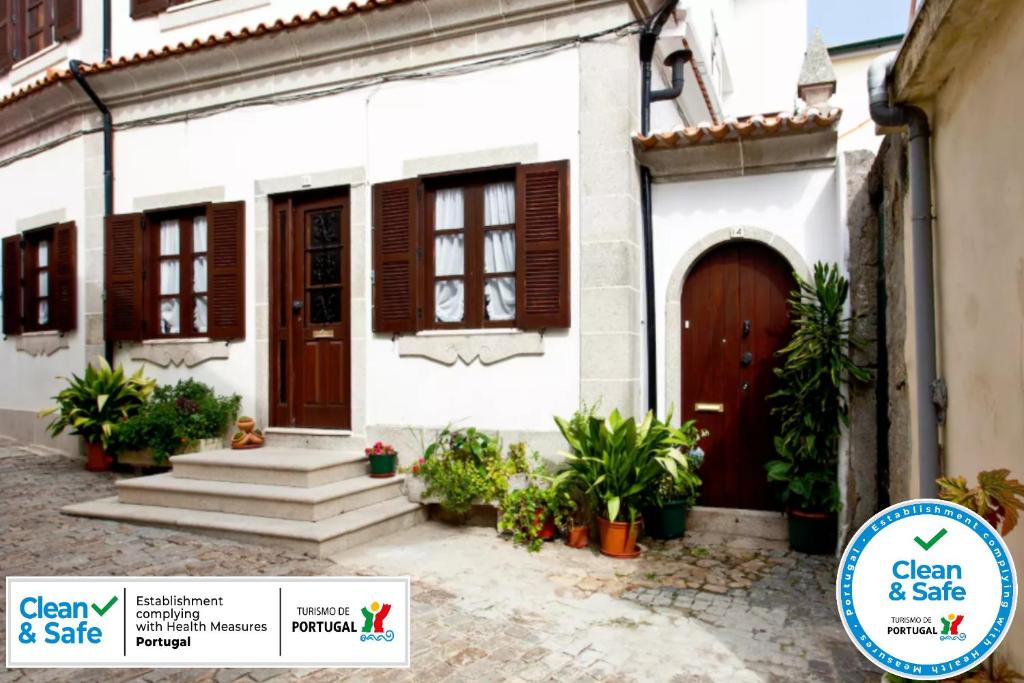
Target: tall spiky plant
810	403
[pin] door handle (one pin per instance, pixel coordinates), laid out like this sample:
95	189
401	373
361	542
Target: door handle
709	407
296	305
746	328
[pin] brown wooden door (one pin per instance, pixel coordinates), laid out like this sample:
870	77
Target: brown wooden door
311	312
735	318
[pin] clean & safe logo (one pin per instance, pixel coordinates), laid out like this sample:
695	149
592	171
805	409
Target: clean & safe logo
61	622
910	580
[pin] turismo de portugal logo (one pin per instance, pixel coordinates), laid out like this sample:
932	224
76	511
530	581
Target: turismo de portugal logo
926	589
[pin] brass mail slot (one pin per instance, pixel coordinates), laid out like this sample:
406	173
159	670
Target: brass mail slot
323	334
709	407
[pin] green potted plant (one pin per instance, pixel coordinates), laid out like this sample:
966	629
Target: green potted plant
383	460
812	410
95	405
581	518
618	462
534	514
673	498
462	468
519	466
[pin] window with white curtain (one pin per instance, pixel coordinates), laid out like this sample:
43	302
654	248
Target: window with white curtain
180	264
474	252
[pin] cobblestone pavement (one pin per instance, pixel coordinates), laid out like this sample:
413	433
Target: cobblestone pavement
483	610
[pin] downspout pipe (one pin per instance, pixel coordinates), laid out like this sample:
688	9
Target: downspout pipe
889	114
107	48
648	40
75	66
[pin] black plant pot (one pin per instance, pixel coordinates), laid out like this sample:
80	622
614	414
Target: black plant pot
814	533
666	522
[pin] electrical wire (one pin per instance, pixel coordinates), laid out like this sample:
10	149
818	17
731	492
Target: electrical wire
616	32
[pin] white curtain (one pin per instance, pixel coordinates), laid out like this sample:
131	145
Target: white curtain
169	238
44	312
170	276
170	316
199	234
199	315
449	256
449	301
449	211
199	274
43	255
499	251
44	283
500	295
500	204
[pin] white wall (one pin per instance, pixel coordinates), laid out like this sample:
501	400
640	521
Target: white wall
799	207
48	182
765	52
529	104
856	129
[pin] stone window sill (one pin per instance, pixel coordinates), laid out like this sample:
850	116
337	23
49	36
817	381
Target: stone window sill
41	343
490	346
201	10
190	351
32	66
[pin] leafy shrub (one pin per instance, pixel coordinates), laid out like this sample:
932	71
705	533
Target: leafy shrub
177	416
462	466
996	497
524	511
96	405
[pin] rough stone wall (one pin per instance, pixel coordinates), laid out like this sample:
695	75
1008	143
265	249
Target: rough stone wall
889	184
862	222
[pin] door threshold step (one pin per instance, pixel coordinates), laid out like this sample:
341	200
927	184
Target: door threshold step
763	524
308	431
274	465
321	539
261	500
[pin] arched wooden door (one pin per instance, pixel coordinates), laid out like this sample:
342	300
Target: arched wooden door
735	318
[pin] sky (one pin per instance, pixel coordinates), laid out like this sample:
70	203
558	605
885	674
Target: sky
851	21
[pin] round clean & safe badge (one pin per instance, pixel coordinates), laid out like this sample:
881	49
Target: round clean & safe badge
926	589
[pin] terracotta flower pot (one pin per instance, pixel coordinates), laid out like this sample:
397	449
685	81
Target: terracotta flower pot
96	458
579	537
618	539
246	424
547	527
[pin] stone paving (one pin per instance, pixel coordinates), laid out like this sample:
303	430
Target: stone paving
483	609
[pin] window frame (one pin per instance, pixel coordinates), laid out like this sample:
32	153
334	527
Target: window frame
473	229
30	241
186	259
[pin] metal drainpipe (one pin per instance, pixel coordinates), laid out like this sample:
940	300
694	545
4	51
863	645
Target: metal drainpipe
107	52
648	39
108	153
887	114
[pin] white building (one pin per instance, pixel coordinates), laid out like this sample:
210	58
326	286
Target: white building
411	213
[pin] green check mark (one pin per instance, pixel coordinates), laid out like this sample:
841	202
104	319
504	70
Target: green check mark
917	540
103	610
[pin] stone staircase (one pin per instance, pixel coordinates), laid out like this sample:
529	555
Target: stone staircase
318	502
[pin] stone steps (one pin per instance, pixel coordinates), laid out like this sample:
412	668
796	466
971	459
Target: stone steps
763	524
273	465
322	538
311	504
318	502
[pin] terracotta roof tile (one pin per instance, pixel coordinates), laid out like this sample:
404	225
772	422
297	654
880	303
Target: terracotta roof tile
53	76
750	127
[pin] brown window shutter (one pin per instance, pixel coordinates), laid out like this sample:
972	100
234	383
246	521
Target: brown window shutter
64	290
6	36
145	8
226	268
122	281
396	232
542	245
67	18
12	284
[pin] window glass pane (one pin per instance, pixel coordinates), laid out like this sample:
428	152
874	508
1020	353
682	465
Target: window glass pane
199	234
199	315
170	316
44	312
199	274
449	213
44	284
448	254
170	276
499	251
325	306
169	238
448	301
500	204
43	255
500	298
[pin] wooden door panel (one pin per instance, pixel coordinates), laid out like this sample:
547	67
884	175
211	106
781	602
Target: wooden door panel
734	303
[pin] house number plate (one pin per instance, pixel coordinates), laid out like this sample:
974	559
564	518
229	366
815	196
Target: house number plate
323	334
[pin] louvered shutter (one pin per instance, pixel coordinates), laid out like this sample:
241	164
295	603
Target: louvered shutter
12	284
226	268
122	282
542	245
6	36
396	228
145	8
63	294
67	19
